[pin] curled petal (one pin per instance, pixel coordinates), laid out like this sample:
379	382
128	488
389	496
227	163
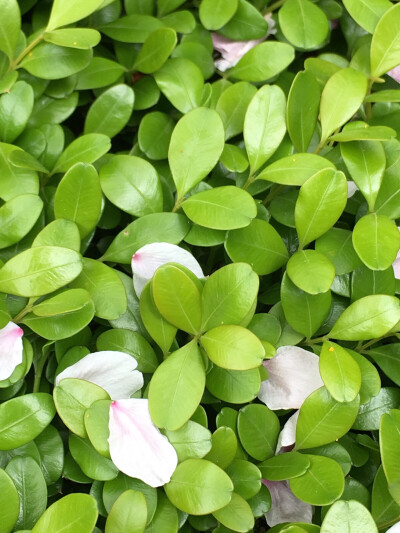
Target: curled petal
293	375
394	529
151	256
113	371
10	349
287	437
395	73
137	447
285	507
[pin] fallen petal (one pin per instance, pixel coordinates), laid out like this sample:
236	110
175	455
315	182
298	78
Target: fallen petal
394	529
113	371
137	447
11	349
396	264
395	73
287	437
285	507
151	256
293	375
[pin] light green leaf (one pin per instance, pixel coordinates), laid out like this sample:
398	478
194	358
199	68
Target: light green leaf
17	218
78	38
74	513
156	49
232	106
367	13
237	514
303	24
389	446
85	149
10	26
9	502
128	513
351	515
258	428
385	45
295	169
216	13
15	109
63	13
340	372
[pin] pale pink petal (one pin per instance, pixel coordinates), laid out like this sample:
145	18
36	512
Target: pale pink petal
287	436
396	264
351	189
293	375
113	371
395	73
285	507
151	256
137	447
394	529
11	349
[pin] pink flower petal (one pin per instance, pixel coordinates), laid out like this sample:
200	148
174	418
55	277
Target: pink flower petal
293	375
137	447
287	437
151	256
395	73
113	371
11	349
285	506
396	264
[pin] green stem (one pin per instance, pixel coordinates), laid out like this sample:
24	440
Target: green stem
177	205
374	341
251	179
319	147
27	309
273	7
317	340
15	64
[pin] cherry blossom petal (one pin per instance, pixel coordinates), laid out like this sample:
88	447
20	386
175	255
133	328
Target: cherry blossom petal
396	264
293	375
395	73
285	507
151	256
287	437
351	189
11	349
113	371
394	529
137	447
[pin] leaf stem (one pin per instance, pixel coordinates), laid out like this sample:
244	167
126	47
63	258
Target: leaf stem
273	7
363	347
178	204
15	64
27	309
317	340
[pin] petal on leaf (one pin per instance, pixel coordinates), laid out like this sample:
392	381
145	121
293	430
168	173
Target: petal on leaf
10	349
137	447
287	437
293	375
113	371
285	506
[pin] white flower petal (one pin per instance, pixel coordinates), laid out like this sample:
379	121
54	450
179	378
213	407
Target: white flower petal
151	256
137	447
395	73
351	189
287	437
394	529
293	375
11	349
113	371
285	507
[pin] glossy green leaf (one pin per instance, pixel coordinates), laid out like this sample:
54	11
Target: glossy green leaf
258	429
74	513
340	372
15	179
154	134
295	169
111	111
387	357
17	217
15	109
234	159
284	466
177	387
92	464
100	72
385	45
191	441
214	15
364	132
224	447
341	98
199	487
383	507
349	514
311	271
232	106
114	488
246	478
196	145
62	14
85	149
223	208
156	49
237	515
320	203
78	38
10	503
51	451
389	446
128	514
367	14
303	24
370	413
263	136
58	232
234	386
337	245
322	419
10	26
134	28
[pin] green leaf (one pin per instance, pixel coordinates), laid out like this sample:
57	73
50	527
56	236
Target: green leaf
32	490
177	295
180	21
385	45
366	164
376	240
23	418
370	413
234	159
154	134
237	514
302	107
177	387
9	503
51	62
365	132
321	201
234	386
166	517
15	109
10	26
264	125
17	218
232	106
258	428
128	513
114	488
15	179
246	478
191	441
322	419
132	184
336	244
215	14
367	14
284	466
341	98
221	208
63	14
390	95
78	38
295	169
39	271
196	145
259	244
78	197
96	421
74	513
367	318
199	487
155	51
389	446
321	484
181	82
311	271
351	515
340	372
59	231
303	24
233	347
157	227
92	464
85	149
51	450
132	29
111	111
224	447
370	379
263	62
315	307
229	295
100	72
387	358
383	507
